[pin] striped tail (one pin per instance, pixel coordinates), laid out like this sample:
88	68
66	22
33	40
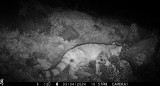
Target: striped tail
49	74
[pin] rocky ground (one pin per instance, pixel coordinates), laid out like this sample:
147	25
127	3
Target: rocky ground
23	55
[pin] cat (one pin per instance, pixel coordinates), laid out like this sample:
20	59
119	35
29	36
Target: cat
79	57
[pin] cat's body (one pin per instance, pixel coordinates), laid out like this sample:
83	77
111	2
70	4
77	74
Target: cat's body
79	57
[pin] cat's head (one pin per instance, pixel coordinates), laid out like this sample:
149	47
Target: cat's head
115	51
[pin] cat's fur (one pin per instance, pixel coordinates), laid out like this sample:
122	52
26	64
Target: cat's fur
79	57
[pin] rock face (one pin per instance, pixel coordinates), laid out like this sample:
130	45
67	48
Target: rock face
69	33
140	57
141	52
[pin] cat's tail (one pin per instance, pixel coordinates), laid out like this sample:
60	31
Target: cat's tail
50	73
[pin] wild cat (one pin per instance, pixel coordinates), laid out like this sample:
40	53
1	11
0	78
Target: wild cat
80	56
